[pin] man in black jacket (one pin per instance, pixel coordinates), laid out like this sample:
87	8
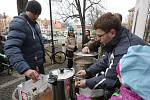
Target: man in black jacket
95	44
24	46
115	40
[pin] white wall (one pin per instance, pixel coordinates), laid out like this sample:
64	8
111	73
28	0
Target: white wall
140	16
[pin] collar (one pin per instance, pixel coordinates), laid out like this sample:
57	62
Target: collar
109	46
28	19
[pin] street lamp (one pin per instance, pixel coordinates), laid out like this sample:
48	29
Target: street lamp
51	23
53	48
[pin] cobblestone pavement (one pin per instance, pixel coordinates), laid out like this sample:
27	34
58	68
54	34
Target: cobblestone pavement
9	82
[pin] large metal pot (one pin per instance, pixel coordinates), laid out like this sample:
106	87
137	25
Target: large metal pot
62	83
83	62
92	54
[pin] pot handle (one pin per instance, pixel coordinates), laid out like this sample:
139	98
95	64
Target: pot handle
52	79
61	70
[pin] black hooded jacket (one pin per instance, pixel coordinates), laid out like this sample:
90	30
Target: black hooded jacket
23	46
113	53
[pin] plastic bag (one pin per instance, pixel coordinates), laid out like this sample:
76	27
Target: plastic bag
83	97
40	90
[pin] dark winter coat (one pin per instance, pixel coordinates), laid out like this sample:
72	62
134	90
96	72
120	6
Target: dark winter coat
23	46
114	52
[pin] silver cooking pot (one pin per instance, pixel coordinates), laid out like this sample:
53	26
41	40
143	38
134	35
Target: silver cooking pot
92	54
82	62
62	83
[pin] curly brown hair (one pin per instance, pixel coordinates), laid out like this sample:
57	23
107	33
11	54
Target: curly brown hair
118	16
106	22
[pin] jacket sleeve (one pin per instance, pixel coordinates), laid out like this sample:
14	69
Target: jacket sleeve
70	43
106	80
12	49
99	66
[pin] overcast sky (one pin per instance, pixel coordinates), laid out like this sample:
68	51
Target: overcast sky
117	6
120	6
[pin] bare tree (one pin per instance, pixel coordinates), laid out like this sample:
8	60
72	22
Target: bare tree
21	5
78	9
93	14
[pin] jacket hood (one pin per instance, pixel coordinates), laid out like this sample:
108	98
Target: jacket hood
17	23
135	70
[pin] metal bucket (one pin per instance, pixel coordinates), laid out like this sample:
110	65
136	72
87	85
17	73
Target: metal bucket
82	63
62	83
84	60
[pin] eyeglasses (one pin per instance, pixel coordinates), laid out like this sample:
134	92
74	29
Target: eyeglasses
100	35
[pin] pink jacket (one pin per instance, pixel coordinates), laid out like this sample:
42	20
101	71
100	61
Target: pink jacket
126	94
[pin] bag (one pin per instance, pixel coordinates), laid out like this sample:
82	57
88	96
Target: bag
83	97
40	90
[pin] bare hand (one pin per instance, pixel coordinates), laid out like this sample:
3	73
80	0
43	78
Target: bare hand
81	83
32	74
86	50
81	73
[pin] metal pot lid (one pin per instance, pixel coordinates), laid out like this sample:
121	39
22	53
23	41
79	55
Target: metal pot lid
63	73
92	54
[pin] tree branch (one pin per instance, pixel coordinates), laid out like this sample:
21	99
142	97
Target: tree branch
92	3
